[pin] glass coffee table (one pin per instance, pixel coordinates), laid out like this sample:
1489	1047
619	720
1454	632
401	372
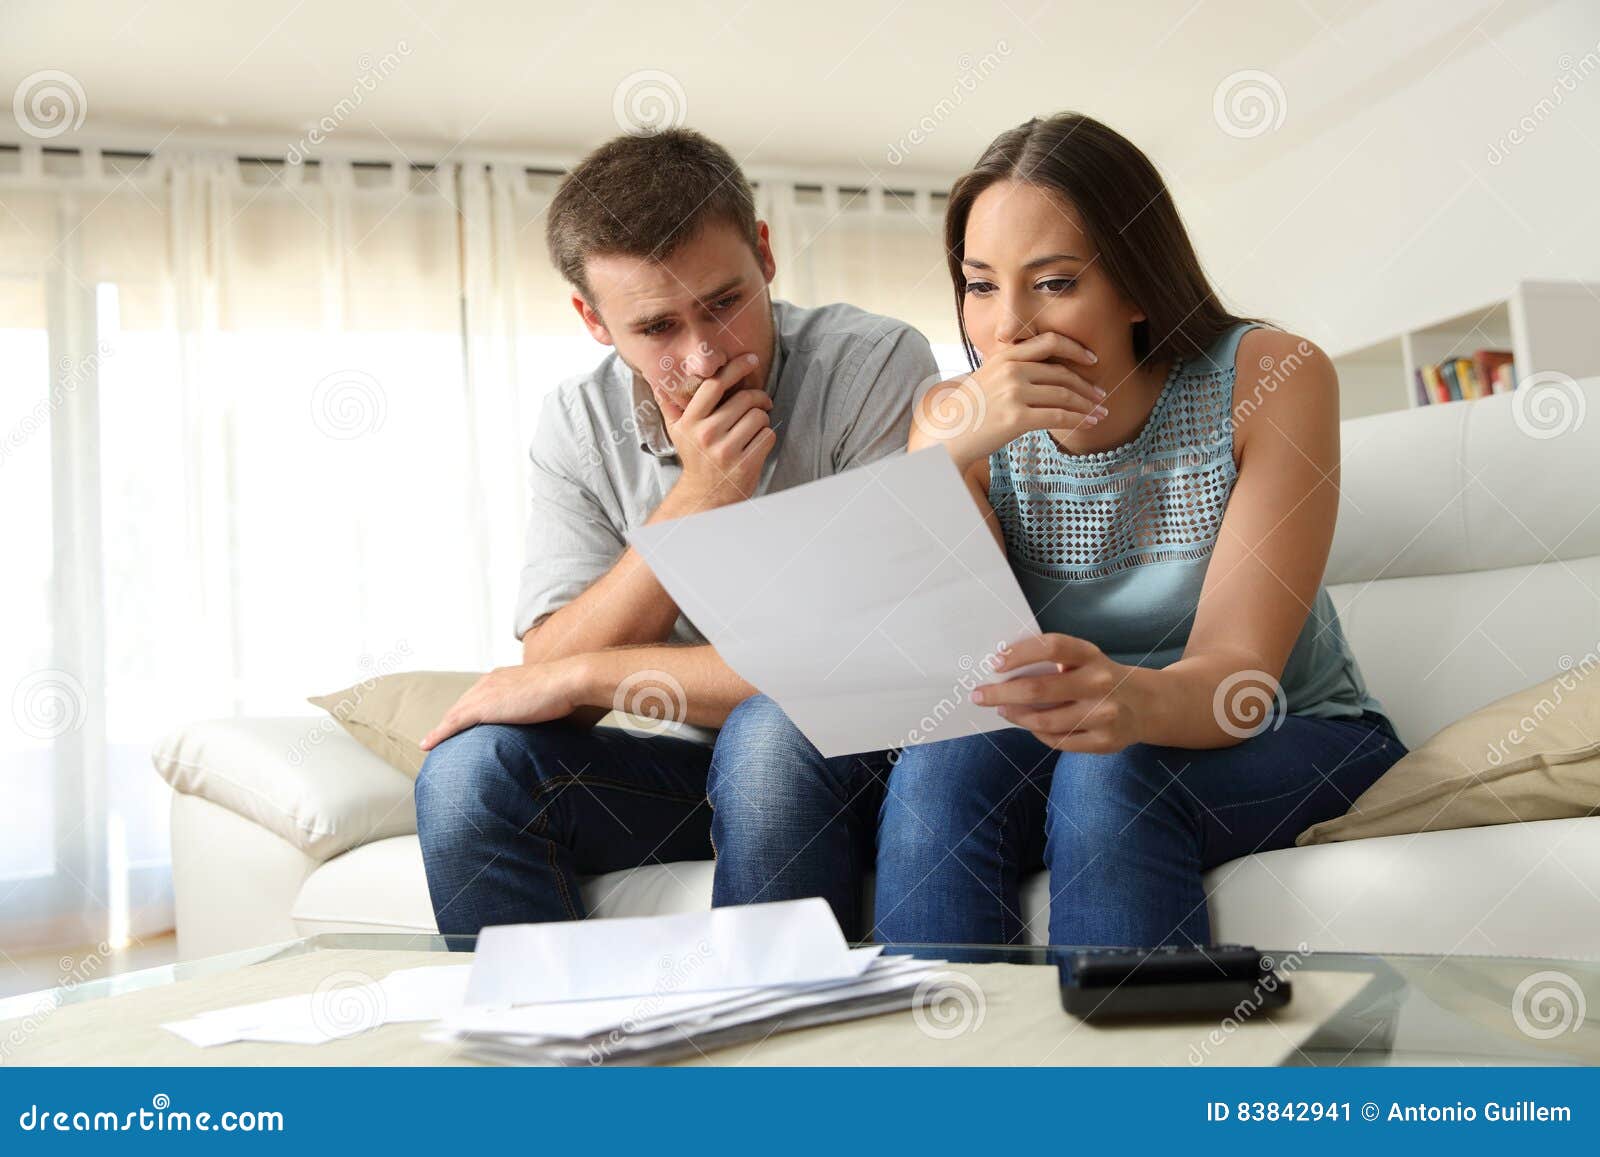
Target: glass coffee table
1411	1010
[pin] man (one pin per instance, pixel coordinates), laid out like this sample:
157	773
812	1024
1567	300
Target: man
714	393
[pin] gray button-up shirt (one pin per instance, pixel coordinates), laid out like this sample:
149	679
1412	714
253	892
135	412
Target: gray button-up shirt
842	382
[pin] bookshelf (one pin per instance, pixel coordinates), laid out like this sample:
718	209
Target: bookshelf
1549	326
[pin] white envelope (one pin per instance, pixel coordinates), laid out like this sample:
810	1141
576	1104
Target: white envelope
578	1019
408	994
788	942
564	1034
868	604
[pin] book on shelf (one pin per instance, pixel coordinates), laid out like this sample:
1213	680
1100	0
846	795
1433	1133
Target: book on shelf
1495	367
1486	372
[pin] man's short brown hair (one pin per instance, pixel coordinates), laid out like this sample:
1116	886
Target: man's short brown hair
643	196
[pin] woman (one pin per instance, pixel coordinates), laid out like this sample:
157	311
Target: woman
1163	478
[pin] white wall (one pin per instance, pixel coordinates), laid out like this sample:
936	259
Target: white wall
1418	205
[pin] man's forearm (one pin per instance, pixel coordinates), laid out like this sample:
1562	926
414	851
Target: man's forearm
626	606
687	684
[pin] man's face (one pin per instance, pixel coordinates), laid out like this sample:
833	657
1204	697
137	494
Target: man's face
682	319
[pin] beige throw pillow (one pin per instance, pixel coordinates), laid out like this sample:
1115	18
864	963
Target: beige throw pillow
1534	755
390	714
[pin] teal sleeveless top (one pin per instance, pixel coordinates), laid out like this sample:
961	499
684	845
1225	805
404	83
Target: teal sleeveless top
1113	546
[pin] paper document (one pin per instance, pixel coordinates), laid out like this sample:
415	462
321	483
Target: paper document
657	1027
342	1009
628	990
868	604
574	1020
788	942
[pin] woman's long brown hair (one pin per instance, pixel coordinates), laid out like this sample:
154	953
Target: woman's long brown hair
1128	212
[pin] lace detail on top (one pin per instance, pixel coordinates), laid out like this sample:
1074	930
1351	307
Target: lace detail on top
1157	498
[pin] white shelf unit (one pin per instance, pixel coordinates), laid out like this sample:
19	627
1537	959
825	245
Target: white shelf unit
1549	327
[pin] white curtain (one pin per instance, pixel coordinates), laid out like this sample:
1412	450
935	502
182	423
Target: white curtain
880	249
262	435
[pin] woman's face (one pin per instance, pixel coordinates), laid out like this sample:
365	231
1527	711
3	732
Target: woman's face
1030	268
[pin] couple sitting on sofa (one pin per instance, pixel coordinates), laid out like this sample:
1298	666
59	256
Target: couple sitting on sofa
1166	503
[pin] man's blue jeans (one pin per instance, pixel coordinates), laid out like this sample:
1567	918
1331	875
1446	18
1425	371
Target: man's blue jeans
511	815
788	823
958	824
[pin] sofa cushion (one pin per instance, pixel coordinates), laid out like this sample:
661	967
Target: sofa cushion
382	887
1466	555
1514	888
390	714
1534	755
302	778
1510	889
378	887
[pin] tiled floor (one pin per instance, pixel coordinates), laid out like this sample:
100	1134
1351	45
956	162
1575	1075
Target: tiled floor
30	972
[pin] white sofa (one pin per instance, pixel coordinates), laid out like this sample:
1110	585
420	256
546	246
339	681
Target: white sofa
1466	566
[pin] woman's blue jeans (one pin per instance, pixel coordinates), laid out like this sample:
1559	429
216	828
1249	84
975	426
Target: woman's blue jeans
954	827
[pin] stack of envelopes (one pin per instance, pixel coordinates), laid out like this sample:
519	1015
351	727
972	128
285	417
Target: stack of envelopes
638	990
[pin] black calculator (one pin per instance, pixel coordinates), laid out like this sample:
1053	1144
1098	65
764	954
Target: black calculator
1174	982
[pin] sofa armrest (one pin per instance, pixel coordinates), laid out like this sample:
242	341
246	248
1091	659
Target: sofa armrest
302	777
